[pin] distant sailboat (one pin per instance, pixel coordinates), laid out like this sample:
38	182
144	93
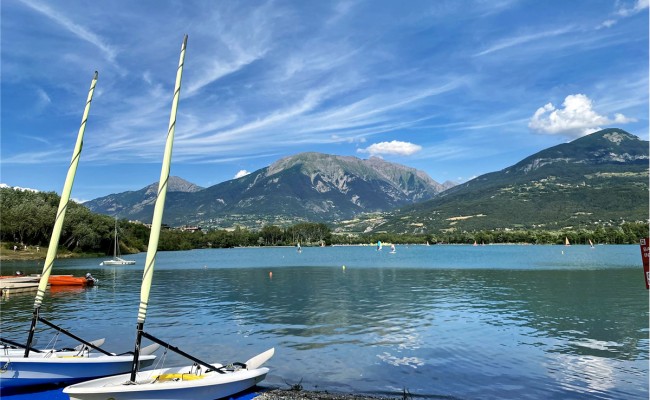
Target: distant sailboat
378	245
591	244
298	248
117	260
392	248
566	241
475	244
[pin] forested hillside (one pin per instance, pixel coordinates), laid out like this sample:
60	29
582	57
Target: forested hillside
27	218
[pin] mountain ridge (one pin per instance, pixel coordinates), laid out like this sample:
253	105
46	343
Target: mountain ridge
598	179
303	187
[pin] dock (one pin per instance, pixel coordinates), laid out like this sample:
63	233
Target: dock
18	284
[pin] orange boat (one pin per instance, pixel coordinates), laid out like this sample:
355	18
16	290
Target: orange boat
69	280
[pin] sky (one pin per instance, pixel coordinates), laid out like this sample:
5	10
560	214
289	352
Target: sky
453	88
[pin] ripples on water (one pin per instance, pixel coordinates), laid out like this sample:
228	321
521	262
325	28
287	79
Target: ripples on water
536	322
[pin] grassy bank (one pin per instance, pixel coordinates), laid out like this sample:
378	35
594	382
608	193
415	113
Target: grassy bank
21	253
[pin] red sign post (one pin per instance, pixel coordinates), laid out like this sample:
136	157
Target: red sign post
645	256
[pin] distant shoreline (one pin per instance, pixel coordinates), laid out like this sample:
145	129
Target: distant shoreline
32	253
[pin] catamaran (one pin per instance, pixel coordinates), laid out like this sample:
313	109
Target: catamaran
33	367
117	260
199	381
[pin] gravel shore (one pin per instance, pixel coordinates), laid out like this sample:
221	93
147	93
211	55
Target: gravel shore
279	394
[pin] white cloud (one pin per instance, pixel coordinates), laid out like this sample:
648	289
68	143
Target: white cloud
22	189
576	118
395	147
241	173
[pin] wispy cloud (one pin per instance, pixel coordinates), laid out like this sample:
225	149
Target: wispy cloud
519	40
267	79
637	7
78	30
233	47
624	10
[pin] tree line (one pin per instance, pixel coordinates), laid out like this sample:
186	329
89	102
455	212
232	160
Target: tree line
27	218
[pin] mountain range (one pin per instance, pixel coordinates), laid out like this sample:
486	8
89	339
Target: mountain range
597	180
305	187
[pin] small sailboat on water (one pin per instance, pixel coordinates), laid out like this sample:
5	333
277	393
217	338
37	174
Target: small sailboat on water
378	245
591	244
392	249
117	260
566	241
199	381
32	367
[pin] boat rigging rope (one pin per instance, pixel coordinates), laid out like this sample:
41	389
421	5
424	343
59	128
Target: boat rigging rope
53	341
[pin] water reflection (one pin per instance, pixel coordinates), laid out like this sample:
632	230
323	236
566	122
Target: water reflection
379	326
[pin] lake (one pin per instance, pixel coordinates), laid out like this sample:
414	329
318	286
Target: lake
459	322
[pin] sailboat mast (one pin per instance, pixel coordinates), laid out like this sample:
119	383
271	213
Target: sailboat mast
152	248
115	241
60	216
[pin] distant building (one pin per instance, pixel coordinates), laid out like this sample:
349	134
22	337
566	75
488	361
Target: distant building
187	228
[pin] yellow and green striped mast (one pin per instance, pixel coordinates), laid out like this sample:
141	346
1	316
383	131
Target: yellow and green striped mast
152	248
60	216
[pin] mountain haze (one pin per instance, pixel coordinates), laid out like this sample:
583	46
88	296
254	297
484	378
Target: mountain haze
304	187
597	180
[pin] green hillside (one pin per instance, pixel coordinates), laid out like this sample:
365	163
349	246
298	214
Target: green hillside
597	180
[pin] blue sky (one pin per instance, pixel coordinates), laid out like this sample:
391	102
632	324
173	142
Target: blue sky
454	88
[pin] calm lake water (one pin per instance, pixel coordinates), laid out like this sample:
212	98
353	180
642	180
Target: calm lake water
459	322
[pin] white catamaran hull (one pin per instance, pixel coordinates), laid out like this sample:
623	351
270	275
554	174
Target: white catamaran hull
208	386
81	349
52	369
